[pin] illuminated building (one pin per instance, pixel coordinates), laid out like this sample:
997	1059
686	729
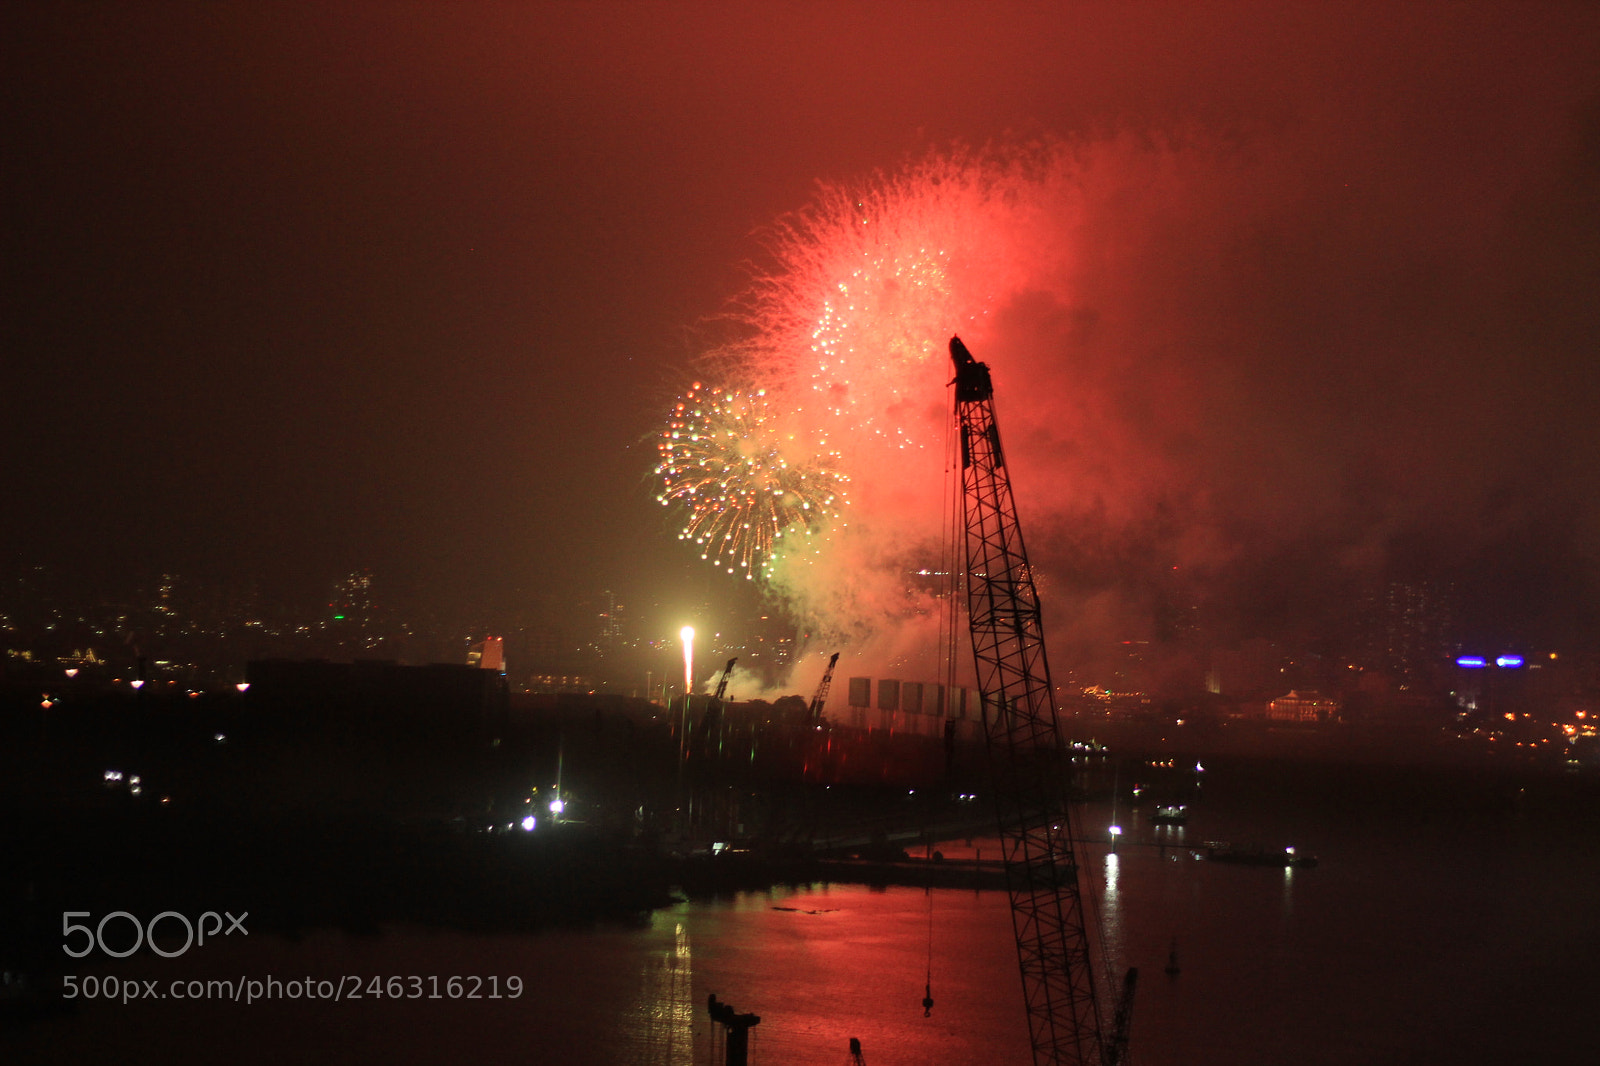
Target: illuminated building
1303	707
352	600
610	623
164	608
488	654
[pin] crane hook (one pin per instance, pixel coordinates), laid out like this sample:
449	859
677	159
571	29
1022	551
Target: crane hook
927	1001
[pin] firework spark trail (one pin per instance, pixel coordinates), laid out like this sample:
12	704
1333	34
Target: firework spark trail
746	476
868	283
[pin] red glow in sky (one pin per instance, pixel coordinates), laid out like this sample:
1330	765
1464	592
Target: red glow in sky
1119	287
1278	290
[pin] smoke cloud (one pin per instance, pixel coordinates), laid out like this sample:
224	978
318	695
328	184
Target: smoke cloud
1215	386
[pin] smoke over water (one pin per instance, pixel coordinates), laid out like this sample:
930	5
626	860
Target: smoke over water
1201	385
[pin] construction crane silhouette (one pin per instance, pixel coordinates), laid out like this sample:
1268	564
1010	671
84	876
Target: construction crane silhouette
820	700
711	722
722	686
1026	750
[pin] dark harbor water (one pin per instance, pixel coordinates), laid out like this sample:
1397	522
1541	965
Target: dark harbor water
1451	919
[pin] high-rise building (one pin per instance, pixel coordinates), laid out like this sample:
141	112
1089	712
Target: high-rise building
488	654
610	619
1408	628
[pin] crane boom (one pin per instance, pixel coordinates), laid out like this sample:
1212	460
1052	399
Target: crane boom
820	700
727	672
1024	740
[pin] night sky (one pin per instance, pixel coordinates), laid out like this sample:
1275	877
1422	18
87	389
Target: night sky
297	288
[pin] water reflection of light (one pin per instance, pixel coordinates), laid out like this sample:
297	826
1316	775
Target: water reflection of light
668	1002
1110	908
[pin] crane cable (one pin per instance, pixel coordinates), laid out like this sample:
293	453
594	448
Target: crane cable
951	588
952	536
927	989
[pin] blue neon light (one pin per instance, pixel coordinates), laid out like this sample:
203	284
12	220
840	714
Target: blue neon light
1510	662
1472	662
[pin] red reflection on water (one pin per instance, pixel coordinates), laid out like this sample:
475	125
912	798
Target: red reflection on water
822	965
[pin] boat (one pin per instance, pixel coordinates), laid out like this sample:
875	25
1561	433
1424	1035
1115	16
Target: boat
1170	814
1255	855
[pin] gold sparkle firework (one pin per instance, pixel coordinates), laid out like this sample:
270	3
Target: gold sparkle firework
745	476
